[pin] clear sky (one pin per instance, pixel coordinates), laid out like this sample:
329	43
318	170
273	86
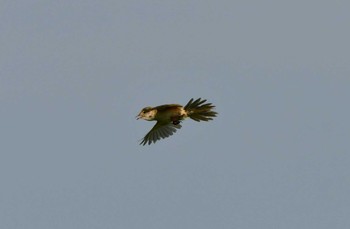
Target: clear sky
74	74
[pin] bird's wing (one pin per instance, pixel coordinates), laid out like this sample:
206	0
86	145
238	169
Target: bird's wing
159	131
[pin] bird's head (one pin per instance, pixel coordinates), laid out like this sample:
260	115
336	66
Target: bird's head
147	113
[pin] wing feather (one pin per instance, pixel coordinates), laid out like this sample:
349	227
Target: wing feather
159	131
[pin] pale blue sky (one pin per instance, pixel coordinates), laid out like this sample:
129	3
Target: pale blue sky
74	74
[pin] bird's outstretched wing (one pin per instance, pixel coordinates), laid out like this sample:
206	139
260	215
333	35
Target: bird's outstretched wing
159	131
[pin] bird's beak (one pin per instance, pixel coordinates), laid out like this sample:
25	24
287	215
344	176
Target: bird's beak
137	117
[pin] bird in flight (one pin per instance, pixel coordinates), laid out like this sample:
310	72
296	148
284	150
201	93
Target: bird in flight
169	116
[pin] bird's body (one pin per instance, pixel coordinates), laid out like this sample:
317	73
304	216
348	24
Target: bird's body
169	116
171	112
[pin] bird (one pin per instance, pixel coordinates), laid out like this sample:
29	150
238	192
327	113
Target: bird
169	117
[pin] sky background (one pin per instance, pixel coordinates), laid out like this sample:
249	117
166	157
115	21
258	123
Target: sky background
74	74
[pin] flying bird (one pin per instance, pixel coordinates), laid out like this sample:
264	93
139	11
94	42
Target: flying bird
169	116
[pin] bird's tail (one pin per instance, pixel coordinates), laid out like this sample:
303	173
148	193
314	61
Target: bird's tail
199	111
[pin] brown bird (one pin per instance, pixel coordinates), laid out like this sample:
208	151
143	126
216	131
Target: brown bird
169	116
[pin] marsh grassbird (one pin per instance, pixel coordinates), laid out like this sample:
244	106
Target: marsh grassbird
169	117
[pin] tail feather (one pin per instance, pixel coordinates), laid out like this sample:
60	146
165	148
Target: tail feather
199	111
